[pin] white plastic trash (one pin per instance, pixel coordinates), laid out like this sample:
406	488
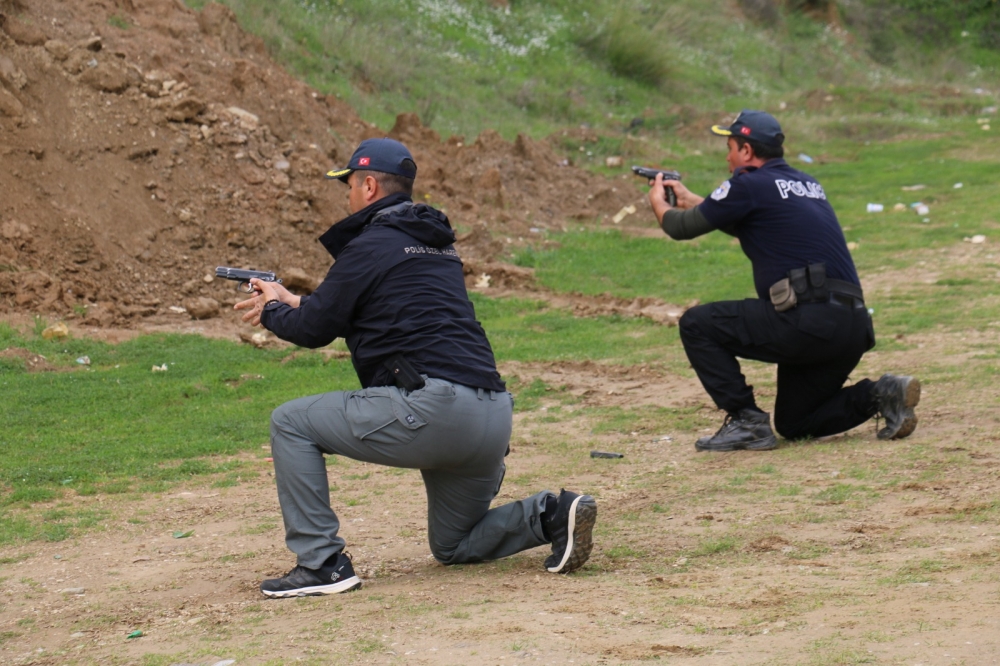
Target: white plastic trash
875	208
922	209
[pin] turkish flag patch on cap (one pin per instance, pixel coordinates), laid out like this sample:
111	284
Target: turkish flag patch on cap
364	161
745	131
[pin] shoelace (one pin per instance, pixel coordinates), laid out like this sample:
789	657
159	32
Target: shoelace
725	424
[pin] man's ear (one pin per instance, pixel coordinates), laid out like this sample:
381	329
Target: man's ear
370	188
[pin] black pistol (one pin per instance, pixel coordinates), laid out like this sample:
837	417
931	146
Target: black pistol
650	174
244	276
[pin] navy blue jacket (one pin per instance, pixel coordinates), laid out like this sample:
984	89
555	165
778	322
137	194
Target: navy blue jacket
783	221
396	285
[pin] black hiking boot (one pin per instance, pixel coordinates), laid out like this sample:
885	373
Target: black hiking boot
335	576
747	429
570	527
895	397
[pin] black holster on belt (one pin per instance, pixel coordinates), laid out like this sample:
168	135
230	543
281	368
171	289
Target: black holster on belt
404	374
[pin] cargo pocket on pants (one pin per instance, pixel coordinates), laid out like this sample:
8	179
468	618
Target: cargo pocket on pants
728	317
379	415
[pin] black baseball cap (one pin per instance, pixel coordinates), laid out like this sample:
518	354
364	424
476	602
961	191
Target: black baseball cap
758	126
385	155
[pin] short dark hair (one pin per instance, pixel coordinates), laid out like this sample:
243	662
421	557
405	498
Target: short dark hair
761	150
389	183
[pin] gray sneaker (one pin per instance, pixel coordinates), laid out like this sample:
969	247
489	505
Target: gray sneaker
895	397
747	429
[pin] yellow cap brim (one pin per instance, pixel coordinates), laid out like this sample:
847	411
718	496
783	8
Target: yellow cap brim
339	175
720	130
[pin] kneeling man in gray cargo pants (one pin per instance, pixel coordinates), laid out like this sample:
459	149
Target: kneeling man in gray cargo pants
432	398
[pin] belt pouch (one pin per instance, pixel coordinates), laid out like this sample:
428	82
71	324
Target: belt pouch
817	282
782	295
800	284
404	374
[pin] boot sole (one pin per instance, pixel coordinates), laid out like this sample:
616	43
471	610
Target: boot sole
579	541
346	585
766	444
911	398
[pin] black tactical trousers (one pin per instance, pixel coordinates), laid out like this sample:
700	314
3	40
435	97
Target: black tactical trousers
815	345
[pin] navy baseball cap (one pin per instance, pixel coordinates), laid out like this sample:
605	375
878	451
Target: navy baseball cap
757	126
385	155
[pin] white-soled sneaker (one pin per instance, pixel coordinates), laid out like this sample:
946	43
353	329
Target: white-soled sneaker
335	576
571	531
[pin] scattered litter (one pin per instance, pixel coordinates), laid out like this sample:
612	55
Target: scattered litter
805	158
922	209
871	311
135	634
623	213
852	246
57	557
985	127
535	230
875	208
183	535
55	331
159	368
900	207
665	438
83	360
977	239
958	186
913	188
225	662
73	590
483	281
613	161
176	309
606	454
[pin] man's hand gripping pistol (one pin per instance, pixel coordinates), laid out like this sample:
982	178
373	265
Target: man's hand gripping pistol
650	174
244	276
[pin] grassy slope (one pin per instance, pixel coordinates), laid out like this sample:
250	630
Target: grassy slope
546	64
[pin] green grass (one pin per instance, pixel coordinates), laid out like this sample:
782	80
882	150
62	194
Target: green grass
709	268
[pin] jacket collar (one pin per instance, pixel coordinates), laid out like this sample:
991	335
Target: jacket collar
341	233
776	162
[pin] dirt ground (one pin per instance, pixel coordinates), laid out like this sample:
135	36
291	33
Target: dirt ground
845	551
136	160
908	576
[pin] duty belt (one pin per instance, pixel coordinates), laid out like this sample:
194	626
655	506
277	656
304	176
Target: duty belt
839	287
810	285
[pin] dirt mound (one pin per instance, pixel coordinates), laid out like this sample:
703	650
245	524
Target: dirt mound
145	143
32	362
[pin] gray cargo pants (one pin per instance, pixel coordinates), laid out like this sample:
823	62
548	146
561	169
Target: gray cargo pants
455	435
